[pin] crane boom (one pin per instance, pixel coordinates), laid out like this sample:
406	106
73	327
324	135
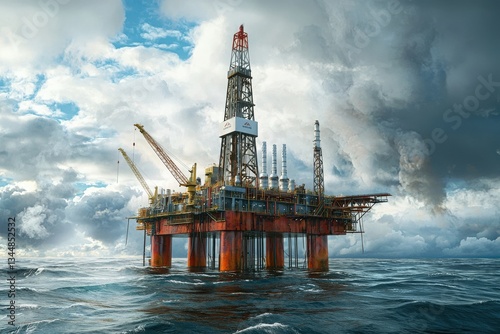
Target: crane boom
172	167
136	172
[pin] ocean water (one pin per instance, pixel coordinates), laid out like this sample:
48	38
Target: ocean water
118	295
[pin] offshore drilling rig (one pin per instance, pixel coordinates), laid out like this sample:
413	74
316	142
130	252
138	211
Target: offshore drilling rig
239	219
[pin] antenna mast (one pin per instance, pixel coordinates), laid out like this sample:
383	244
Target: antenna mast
319	183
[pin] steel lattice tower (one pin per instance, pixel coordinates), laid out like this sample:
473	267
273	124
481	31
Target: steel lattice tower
319	184
238	155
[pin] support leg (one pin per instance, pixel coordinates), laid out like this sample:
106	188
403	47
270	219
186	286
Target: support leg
197	249
161	250
317	252
275	256
231	251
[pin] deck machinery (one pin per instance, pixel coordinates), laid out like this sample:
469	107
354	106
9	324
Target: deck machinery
236	220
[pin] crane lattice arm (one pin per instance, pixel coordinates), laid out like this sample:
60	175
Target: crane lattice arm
172	167
137	173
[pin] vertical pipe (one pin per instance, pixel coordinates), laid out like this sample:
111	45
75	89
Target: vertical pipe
161	250
197	245
214	240
275	255
249	253
264	178
273	178
259	252
317	252
283	182
296	251
231	251
209	251
144	249
289	251
263	259
253	252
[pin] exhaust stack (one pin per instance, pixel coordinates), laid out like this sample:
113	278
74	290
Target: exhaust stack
284	178
273	178
264	179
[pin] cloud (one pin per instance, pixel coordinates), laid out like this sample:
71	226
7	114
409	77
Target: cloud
394	85
101	213
36	32
415	175
32	220
475	247
153	33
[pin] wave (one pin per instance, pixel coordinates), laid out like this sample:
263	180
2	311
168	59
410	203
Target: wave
472	315
28	306
184	282
35	326
358	296
268	328
47	273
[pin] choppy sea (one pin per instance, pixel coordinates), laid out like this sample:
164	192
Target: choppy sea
119	295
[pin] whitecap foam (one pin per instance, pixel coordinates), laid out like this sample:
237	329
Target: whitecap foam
267	328
183	282
29	306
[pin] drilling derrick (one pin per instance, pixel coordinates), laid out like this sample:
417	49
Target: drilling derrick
238	155
319	183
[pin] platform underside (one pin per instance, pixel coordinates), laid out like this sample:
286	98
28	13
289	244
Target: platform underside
249	231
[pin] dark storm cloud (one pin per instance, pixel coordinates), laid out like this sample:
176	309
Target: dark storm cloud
14	201
432	86
40	214
34	146
35	149
49	217
101	215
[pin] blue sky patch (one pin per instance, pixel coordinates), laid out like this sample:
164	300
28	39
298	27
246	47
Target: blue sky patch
145	26
68	110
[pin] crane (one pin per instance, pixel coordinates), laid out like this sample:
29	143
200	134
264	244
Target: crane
171	166
151	195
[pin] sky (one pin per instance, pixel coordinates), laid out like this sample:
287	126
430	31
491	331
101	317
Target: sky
407	94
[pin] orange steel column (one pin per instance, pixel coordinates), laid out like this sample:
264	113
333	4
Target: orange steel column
197	246
161	250
317	252
231	251
275	256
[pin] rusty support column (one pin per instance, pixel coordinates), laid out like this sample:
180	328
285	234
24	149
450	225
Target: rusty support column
161	250
197	251
317	252
275	256
231	251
